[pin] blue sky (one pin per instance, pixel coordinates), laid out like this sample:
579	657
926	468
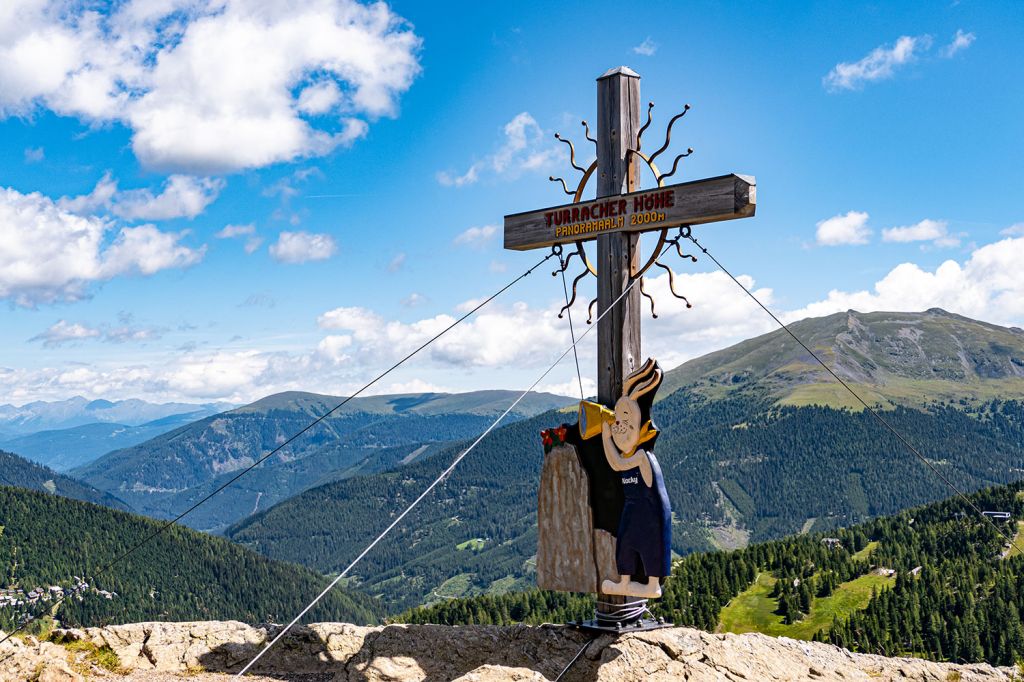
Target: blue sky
219	199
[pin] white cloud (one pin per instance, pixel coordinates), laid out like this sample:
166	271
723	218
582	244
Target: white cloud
848	228
63	332
416	386
1015	230
232	231
146	250
252	241
414	299
182	196
926	230
49	254
301	247
497	266
570	388
987	286
961	41
211	85
525	148
476	237
511	345
396	263
647	48
879	64
34	154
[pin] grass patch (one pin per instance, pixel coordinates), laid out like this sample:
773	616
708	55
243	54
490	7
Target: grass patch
100	656
754	610
904	391
1018	540
476	544
460	585
865	554
39	628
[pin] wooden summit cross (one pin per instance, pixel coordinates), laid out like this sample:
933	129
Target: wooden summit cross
602	508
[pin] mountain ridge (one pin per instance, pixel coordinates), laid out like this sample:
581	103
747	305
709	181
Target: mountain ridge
891	358
170	472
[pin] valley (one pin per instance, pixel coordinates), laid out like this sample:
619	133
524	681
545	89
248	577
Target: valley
754	448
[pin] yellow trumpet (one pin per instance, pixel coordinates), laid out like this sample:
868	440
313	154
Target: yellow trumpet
591	417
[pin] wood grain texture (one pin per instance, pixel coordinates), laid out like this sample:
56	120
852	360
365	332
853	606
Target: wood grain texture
565	535
726	197
618	332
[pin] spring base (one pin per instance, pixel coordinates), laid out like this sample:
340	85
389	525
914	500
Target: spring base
619	628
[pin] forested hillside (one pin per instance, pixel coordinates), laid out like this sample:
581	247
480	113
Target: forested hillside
943	583
64	449
169	473
18	471
734	468
47	541
890	358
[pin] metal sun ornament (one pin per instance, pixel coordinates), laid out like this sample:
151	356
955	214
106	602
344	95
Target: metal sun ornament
664	242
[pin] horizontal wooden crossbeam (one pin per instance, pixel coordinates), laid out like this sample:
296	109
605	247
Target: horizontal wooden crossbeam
726	197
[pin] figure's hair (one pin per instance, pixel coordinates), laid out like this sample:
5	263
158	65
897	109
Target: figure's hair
641	386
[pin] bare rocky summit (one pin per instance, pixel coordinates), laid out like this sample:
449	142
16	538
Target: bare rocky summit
339	652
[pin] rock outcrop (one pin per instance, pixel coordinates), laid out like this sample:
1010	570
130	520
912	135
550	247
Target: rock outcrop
338	652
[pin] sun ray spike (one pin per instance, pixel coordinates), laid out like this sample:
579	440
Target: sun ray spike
650	298
675	164
668	132
586	133
564	188
572	153
573	299
682	255
672	282
565	264
590	311
650	107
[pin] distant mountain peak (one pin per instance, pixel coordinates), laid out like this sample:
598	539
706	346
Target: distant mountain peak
892	356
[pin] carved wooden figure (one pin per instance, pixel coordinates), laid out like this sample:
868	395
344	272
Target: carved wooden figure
603	516
644	538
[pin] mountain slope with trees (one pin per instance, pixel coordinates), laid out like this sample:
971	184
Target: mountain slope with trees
169	473
891	358
181	574
956	591
739	466
18	471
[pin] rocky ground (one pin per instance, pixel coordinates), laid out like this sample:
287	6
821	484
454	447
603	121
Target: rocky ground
338	652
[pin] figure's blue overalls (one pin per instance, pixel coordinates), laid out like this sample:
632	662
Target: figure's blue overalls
645	528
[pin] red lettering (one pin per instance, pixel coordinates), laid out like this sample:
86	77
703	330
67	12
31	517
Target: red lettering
575	214
547	217
622	206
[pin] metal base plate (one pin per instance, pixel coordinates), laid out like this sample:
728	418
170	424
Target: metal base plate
642	625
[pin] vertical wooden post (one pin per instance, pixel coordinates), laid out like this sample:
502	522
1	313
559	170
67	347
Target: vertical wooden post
618	332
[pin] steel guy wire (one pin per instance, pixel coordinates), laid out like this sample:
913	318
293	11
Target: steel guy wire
574	659
870	410
572	334
444	474
162	528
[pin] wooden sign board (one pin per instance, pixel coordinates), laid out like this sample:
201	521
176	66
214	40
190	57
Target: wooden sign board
690	203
